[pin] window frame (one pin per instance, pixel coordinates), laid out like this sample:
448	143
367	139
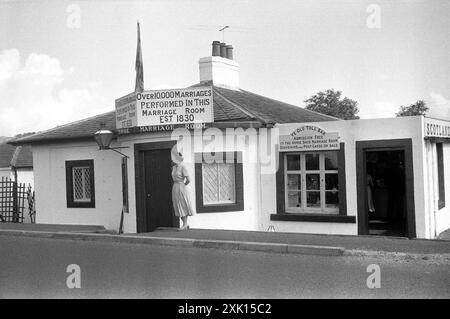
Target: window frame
342	217
322	171
238	205
440	174
71	203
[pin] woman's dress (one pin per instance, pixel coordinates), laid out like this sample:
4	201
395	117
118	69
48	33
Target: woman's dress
180	196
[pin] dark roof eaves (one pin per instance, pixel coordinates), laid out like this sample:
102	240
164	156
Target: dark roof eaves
48	140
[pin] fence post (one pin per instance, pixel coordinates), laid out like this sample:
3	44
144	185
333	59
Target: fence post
15	203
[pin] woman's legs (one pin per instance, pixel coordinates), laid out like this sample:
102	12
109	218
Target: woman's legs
185	222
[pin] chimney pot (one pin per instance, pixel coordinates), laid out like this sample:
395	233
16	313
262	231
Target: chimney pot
216	48
223	50
229	52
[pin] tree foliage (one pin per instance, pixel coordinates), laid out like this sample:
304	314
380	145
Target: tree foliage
418	108
332	103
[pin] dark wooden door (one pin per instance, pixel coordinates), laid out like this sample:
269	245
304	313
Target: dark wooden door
158	190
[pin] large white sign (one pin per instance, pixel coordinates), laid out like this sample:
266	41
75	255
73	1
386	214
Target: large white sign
437	128
165	108
309	138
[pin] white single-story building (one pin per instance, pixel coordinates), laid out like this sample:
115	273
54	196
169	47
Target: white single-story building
285	166
16	163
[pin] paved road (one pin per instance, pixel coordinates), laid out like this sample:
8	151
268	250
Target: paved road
35	267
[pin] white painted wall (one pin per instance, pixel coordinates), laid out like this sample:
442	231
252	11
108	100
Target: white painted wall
221	71
259	185
243	220
349	133
50	185
25	175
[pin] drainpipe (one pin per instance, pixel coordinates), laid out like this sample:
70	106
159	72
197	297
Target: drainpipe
14	171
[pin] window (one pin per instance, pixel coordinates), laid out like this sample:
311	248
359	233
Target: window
311	187
80	190
312	182
441	180
219	185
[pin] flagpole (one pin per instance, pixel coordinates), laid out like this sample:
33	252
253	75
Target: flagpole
139	67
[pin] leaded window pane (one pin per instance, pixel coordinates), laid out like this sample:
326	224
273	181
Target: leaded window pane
226	182
218	183
210	183
81	179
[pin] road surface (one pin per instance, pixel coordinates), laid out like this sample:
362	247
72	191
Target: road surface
37	268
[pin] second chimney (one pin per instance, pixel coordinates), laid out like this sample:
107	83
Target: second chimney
223	50
230	52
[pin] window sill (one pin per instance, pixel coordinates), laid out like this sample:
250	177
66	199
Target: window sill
220	208
319	218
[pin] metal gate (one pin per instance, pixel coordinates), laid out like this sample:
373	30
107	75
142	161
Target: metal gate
16	199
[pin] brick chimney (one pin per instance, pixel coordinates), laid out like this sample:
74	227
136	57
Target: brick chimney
220	68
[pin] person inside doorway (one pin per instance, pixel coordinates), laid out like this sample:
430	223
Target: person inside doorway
369	189
180	196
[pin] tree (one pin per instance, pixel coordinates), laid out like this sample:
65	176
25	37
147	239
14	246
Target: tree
418	108
331	103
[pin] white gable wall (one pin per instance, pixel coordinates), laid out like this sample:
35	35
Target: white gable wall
50	185
349	133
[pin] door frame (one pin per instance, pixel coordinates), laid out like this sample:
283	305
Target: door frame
361	175
139	149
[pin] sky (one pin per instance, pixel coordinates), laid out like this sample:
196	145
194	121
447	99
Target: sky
62	61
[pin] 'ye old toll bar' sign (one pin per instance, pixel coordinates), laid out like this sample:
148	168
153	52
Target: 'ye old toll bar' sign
309	138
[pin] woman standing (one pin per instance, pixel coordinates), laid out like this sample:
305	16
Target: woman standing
180	196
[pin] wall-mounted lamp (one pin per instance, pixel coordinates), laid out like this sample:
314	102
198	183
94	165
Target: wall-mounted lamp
103	137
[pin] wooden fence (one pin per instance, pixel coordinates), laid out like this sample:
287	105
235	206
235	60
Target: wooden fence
15	200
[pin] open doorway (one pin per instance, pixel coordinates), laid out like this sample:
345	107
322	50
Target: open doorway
386	197
385	188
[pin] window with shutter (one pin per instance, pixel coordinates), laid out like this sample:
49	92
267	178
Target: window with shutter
80	190
219	185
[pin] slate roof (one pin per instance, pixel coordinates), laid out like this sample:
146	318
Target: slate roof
229	105
20	156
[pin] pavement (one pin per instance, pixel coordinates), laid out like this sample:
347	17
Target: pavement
290	243
53	228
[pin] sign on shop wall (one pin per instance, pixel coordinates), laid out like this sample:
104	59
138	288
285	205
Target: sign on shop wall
160	110
309	138
436	128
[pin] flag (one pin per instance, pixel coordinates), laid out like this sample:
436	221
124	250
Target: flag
139	87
